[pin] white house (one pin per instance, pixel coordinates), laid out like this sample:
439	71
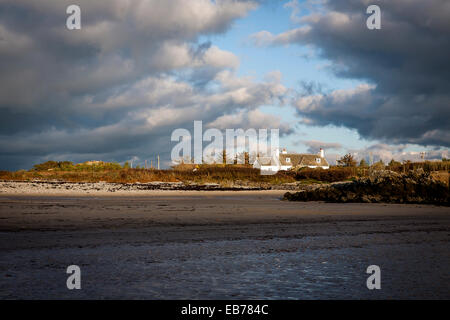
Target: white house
267	164
286	161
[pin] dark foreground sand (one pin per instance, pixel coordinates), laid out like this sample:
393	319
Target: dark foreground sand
249	244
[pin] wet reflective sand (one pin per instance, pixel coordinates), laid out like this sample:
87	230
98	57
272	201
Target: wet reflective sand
205	245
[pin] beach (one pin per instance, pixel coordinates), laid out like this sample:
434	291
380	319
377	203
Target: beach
162	244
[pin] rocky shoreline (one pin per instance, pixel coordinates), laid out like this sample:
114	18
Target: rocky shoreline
381	187
38	186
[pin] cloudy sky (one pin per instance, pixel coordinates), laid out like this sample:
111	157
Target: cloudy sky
116	89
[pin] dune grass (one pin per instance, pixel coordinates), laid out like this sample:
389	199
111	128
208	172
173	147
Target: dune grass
203	174
219	173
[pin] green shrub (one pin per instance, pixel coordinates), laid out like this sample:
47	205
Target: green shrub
46	166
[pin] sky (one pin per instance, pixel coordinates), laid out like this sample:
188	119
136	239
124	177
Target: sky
117	88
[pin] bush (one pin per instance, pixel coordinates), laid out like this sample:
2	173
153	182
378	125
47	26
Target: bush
46	166
327	175
69	166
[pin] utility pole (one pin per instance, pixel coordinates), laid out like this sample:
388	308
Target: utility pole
151	164
158	161
145	164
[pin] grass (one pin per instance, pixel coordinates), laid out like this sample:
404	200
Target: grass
226	175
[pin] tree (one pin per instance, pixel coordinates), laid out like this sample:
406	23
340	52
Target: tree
347	161
363	163
222	157
394	163
126	165
243	157
46	166
379	165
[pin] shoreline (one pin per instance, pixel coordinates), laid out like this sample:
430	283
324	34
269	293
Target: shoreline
40	187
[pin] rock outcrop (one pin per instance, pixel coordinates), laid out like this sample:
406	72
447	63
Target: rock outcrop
381	186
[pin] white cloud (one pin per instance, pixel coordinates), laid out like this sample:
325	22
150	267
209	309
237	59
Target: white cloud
405	61
134	72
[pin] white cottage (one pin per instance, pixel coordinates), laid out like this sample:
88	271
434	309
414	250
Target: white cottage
286	161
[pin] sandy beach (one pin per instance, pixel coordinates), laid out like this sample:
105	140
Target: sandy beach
219	244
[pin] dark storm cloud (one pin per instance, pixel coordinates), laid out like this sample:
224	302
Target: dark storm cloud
118	87
405	64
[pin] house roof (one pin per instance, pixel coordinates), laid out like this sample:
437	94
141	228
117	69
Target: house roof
265	161
297	159
294	159
310	160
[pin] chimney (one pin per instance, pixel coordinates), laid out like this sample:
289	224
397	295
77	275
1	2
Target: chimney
321	153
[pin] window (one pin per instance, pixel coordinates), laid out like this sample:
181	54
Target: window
288	160
317	160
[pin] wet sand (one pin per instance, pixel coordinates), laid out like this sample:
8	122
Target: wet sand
219	244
